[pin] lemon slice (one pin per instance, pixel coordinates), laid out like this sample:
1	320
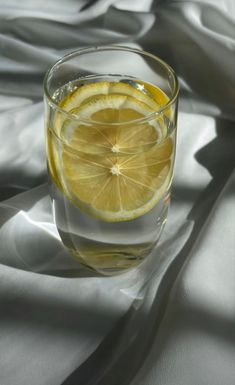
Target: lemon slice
83	93
120	138
118	188
113	172
152	97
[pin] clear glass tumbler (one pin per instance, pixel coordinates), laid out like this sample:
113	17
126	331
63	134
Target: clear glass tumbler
111	117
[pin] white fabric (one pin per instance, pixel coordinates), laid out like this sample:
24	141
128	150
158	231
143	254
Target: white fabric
170	322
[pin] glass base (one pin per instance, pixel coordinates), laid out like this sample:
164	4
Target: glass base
109	248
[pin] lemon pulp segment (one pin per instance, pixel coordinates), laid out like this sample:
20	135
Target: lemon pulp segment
118	167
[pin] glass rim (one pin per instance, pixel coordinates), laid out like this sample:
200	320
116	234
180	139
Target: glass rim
100	48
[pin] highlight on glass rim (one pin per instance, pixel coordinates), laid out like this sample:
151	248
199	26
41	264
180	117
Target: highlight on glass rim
111	136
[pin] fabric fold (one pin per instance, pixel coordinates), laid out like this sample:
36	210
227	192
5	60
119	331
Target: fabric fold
171	320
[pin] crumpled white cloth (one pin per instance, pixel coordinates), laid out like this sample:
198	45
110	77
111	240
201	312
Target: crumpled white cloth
172	320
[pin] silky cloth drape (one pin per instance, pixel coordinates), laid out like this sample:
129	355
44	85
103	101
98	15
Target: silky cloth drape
172	320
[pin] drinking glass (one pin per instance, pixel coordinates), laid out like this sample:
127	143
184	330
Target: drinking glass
111	115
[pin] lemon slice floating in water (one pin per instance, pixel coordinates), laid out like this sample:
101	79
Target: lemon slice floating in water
118	168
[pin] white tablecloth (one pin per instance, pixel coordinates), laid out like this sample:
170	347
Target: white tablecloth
170	322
